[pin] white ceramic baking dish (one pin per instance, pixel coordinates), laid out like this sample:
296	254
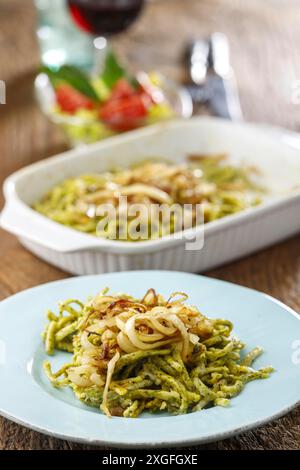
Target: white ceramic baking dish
273	152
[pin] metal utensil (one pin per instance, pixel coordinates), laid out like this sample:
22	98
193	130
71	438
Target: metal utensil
223	95
197	62
211	78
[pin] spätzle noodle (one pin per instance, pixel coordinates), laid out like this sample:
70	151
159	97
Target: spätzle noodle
209	181
131	355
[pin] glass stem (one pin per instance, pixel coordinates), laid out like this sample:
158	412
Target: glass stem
101	47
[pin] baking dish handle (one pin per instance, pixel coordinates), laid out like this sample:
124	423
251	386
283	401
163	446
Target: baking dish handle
24	222
19	219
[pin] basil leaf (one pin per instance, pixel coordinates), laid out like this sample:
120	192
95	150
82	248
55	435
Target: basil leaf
112	71
74	77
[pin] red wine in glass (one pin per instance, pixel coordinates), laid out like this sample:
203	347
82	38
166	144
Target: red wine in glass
105	17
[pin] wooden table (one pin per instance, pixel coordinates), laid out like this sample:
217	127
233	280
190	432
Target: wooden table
265	39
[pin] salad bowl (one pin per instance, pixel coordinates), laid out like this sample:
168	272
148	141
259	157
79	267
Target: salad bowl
91	108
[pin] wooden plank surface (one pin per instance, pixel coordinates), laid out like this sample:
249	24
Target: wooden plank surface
265	39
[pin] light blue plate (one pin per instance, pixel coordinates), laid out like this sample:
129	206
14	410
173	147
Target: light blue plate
27	398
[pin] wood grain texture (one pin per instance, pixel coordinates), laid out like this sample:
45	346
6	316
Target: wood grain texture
264	37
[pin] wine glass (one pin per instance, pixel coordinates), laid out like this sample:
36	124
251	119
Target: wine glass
104	18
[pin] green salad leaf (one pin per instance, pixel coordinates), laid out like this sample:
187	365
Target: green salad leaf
114	71
74	77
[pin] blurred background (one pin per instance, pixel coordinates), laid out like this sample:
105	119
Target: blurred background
263	37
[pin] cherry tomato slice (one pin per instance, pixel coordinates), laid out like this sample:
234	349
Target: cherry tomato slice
122	89
71	100
125	113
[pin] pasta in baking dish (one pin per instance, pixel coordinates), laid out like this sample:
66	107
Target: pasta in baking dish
210	181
